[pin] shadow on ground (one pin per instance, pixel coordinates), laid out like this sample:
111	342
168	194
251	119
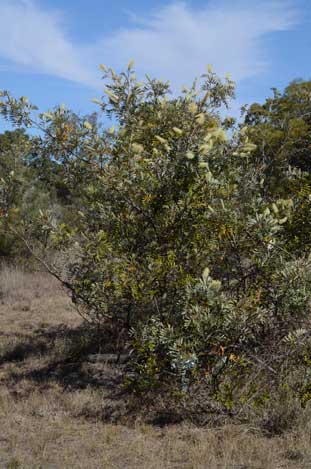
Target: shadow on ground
70	357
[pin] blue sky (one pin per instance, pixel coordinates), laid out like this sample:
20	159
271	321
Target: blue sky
50	49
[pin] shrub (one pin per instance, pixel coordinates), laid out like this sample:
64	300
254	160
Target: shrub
181	251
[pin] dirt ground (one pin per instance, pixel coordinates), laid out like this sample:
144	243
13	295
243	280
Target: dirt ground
63	413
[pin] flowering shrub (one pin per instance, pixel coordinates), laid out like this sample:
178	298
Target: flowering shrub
181	249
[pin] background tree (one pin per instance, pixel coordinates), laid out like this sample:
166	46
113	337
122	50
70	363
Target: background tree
281	129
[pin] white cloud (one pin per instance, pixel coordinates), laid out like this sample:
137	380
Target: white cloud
34	38
178	42
174	42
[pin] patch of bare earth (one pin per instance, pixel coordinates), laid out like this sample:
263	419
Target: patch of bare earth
55	408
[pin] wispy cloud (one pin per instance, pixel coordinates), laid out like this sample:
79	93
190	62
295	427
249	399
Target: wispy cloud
178	42
175	42
32	37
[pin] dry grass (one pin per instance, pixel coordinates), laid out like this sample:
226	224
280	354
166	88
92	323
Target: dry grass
54	415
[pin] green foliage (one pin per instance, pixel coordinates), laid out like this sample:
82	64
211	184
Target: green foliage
14	146
181	241
281	129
